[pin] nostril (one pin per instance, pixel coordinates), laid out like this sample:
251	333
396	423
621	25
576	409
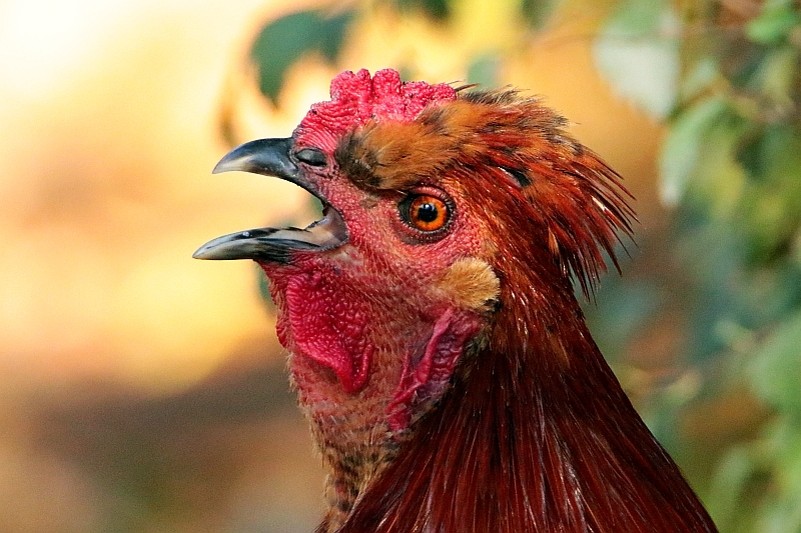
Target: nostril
311	156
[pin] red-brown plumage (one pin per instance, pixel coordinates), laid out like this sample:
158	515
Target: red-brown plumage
483	403
536	434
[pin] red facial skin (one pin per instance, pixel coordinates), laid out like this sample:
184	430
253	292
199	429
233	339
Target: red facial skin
328	302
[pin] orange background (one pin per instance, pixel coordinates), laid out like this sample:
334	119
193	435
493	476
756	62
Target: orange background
144	390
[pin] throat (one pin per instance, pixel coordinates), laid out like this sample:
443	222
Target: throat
355	454
361	435
364	384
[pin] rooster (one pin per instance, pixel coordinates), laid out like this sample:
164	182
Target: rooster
436	342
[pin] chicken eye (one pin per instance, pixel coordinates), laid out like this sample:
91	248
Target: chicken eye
425	212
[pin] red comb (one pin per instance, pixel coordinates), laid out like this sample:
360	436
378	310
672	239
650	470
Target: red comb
357	98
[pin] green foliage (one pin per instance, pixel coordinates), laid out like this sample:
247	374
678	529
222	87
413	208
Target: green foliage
683	151
775	368
779	18
284	41
638	51
731	164
439	10
537	13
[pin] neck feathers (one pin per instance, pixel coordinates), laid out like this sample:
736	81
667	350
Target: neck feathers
526	441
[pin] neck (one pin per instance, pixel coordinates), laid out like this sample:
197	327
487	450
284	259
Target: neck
361	435
533	436
360	424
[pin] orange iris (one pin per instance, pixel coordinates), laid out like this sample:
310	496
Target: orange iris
428	213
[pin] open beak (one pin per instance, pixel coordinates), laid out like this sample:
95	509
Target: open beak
270	157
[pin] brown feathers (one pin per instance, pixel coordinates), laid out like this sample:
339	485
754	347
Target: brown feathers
472	284
579	201
536	433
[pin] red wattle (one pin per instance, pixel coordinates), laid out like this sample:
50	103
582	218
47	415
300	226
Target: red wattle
426	376
327	326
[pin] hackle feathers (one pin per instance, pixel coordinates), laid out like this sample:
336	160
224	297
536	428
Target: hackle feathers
536	433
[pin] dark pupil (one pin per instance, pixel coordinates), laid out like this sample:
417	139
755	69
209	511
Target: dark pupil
427	212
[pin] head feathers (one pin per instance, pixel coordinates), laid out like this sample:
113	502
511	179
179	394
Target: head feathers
576	201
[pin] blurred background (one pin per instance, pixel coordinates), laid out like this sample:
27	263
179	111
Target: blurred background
145	391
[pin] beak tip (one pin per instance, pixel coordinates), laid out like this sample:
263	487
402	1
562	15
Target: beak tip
210	250
269	157
226	164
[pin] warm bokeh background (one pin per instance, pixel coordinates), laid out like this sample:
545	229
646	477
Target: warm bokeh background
136	393
143	390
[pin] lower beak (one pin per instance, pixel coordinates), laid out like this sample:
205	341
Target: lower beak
270	157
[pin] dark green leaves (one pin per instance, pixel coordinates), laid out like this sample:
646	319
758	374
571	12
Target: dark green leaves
538	12
282	42
438	10
775	23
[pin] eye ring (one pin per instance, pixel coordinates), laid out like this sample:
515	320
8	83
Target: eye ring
425	212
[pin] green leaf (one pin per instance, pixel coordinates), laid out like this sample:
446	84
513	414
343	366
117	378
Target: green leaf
771	209
438	10
731	479
638	52
776	367
777	75
699	78
684	146
781	450
774	24
285	40
279	45
332	34
538	12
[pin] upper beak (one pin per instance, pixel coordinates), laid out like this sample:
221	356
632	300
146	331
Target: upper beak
271	157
